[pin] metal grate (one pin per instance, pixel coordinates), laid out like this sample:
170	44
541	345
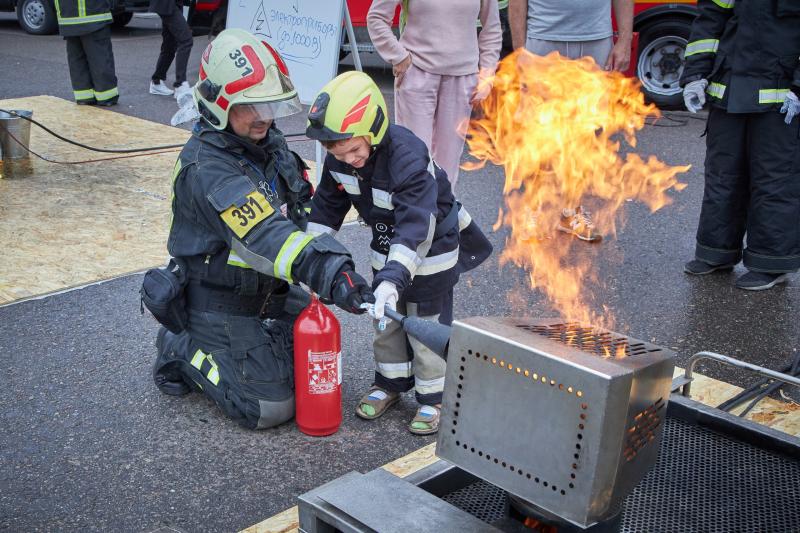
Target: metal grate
702	481
482	500
596	341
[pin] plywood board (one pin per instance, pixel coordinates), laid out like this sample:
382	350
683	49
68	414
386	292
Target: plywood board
780	415
69	225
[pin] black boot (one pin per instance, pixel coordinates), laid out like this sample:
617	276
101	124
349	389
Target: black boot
166	375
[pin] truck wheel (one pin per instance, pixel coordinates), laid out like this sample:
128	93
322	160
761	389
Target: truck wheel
121	20
661	48
37	17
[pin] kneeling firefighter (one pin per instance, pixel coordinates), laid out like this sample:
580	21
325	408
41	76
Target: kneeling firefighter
238	243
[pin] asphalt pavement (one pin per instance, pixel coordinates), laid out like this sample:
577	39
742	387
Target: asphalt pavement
89	444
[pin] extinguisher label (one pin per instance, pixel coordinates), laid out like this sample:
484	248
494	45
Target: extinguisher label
324	371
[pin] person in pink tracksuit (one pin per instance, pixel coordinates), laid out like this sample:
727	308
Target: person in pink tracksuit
442	66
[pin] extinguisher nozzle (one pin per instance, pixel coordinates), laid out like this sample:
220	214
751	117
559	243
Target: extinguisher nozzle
432	334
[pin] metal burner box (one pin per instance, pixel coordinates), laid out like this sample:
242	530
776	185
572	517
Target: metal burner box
567	418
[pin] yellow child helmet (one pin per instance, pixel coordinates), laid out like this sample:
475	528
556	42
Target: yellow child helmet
239	69
350	105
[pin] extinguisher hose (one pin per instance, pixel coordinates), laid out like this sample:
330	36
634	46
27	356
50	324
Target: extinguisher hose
432	334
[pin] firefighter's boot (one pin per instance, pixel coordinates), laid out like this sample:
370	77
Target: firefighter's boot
166	369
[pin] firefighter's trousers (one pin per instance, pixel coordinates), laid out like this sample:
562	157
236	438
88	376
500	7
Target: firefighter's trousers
244	364
752	188
91	66
402	362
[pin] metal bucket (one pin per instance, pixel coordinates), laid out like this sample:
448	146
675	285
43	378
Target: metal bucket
13	127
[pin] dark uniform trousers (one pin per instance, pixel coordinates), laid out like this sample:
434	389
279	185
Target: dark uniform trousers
91	66
243	363
752	188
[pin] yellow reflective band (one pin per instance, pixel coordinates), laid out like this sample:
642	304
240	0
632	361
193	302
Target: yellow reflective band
702	46
197	360
175	172
717	90
289	252
58	10
723	4
242	219
213	374
308	209
71	21
235	260
772	96
81	8
105	95
86	94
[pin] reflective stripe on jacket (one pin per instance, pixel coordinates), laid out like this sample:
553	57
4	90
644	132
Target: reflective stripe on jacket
748	50
80	17
403	196
229	196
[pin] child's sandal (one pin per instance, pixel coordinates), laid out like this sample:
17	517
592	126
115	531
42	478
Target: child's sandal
426	421
375	402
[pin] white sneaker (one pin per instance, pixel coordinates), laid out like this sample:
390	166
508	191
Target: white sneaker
160	89
183	93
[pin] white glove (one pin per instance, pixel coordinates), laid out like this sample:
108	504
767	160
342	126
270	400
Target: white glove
694	95
791	106
385	294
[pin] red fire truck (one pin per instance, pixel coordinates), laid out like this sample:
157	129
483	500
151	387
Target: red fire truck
663	27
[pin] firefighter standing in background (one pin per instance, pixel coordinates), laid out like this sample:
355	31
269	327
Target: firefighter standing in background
239	210
84	24
744	57
422	239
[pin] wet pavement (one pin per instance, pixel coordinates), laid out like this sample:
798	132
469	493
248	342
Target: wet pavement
89	444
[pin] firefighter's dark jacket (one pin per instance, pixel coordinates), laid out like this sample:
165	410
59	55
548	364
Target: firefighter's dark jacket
227	222
748	50
82	17
407	201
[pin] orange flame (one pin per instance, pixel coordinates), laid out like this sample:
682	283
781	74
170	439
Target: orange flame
557	126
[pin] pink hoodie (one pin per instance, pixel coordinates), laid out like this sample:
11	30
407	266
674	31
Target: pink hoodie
440	35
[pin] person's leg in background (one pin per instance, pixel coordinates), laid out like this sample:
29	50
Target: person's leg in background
773	214
165	58
100	54
182	45
415	95
453	109
79	73
726	194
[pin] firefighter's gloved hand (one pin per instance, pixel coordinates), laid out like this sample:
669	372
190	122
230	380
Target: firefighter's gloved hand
791	106
694	95
350	291
385	294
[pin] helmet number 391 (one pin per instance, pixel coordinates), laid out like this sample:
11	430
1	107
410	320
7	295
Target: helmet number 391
240	61
253	70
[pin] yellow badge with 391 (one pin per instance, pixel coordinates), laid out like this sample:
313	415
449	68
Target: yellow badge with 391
242	219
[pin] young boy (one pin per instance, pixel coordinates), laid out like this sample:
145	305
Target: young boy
422	239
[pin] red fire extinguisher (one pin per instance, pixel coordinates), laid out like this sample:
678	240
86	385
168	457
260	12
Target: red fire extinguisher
317	370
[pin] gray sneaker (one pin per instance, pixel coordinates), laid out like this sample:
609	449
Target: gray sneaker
759	281
696	267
